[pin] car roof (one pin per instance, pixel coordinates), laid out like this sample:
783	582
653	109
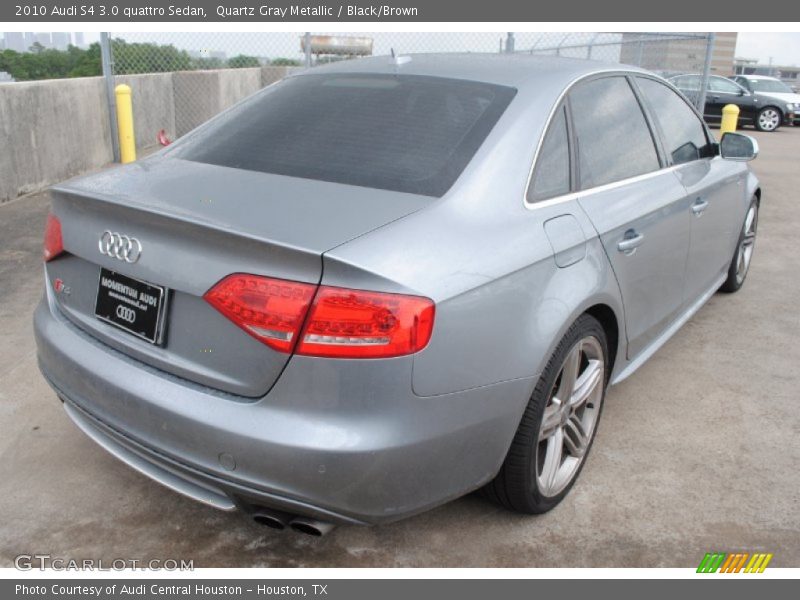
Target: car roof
759	77
515	70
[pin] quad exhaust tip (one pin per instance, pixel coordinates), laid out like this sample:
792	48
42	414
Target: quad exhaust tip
274	519
278	520
311	526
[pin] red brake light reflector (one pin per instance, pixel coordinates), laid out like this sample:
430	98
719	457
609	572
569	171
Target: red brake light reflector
358	324
53	242
270	310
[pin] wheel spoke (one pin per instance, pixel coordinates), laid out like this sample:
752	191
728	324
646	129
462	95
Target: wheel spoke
569	373
748	224
551	420
576	437
552	458
586	384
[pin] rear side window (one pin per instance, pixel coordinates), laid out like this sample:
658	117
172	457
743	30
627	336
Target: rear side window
614	140
395	132
551	177
684	134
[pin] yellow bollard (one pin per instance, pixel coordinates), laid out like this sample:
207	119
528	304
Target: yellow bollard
127	141
730	116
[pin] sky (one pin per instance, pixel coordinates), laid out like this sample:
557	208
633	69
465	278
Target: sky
782	48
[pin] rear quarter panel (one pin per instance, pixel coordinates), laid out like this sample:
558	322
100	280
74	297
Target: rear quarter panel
502	303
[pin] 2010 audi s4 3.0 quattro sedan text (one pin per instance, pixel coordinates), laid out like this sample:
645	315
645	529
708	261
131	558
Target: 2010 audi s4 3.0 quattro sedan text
379	285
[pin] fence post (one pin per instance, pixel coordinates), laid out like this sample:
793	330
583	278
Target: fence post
108	73
307	46
701	99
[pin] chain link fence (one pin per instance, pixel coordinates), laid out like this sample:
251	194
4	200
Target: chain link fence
210	71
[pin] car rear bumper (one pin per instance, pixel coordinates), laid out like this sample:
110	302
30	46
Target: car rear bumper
343	441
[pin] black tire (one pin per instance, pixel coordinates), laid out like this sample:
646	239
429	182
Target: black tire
736	277
762	127
516	487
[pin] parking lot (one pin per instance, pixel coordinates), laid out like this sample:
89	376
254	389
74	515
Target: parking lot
697	452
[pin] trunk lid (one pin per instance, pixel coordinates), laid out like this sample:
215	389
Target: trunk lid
196	224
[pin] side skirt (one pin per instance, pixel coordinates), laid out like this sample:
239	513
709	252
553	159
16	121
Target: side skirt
659	341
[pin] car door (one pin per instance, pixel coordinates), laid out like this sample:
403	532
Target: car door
721	92
637	206
712	185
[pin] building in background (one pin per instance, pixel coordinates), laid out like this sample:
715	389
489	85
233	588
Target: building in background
60	40
43	38
15	41
5	77
750	66
671	56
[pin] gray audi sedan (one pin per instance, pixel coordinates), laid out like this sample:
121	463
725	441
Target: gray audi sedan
379	285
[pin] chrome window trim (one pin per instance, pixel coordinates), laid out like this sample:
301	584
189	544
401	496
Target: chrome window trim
603	188
614	184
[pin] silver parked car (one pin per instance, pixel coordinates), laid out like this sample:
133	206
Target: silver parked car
382	284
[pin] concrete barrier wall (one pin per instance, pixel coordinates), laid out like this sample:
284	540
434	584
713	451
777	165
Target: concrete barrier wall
153	107
49	131
55	129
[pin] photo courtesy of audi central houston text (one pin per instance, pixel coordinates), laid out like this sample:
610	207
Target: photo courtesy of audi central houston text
378	285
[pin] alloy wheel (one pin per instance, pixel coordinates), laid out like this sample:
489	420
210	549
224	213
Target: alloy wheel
745	252
570	416
769	119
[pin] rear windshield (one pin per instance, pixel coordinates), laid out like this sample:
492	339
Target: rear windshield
395	132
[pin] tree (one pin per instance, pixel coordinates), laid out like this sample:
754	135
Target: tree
148	58
242	61
206	63
86	63
284	62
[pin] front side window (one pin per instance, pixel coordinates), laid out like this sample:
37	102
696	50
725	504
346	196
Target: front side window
742	82
684	135
725	86
551	177
614	140
404	133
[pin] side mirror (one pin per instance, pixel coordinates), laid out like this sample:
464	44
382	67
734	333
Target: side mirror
736	146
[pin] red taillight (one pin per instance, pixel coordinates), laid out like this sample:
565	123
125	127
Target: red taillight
341	323
357	324
271	310
53	242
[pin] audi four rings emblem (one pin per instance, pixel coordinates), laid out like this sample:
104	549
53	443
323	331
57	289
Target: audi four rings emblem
121	247
125	313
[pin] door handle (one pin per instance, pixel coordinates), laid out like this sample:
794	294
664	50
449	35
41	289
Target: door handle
631	240
699	206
